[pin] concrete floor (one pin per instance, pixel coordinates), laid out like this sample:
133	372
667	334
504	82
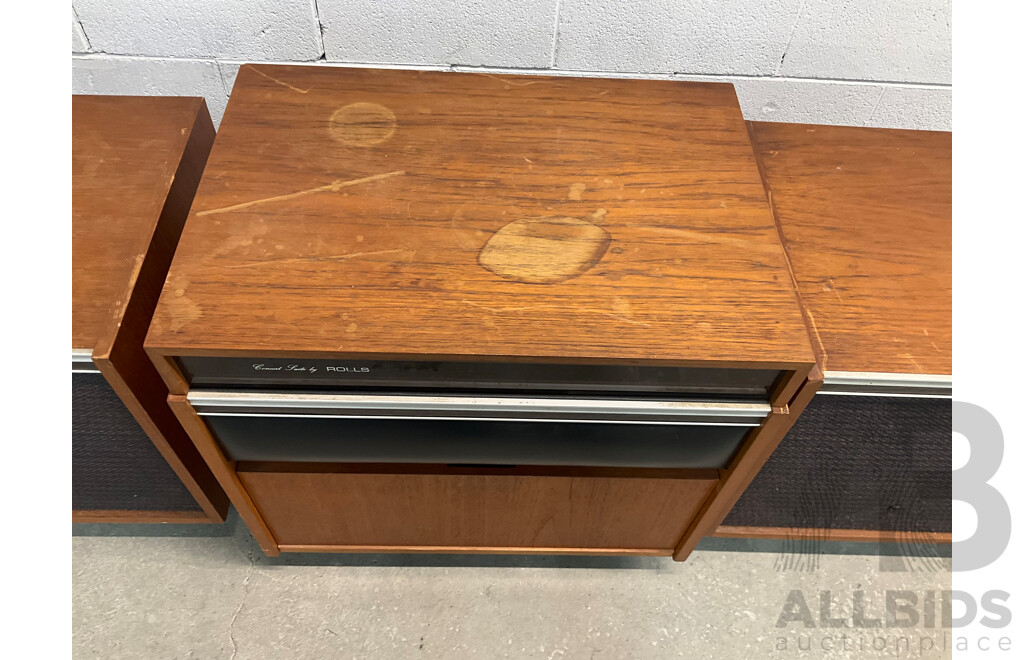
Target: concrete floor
217	596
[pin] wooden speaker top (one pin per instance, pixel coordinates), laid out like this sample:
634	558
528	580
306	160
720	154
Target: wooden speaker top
360	212
124	155
866	216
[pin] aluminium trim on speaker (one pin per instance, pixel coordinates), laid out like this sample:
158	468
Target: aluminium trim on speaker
81	361
636	411
887	384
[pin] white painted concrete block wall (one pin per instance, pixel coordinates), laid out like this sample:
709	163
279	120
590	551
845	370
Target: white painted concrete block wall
863	63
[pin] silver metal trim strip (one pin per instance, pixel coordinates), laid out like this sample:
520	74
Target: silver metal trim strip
464	407
887	384
81	361
750	424
888	395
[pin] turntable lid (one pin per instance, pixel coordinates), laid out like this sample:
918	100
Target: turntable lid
367	212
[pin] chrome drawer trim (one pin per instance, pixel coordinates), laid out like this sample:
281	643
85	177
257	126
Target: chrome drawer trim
503	408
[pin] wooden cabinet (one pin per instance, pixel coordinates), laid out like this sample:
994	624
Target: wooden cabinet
362	232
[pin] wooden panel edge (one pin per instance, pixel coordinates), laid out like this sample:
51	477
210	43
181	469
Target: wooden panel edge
118	353
224	472
168	370
286	467
831	534
140	517
817	345
445	549
788	384
749	460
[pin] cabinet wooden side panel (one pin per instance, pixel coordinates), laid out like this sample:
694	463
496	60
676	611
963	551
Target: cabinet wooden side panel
482	511
750	458
119	353
224	471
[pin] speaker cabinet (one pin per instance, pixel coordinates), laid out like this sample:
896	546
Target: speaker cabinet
136	165
866	218
115	467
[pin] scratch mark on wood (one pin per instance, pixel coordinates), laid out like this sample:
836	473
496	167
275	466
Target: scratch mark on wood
622	310
335	257
753	243
330	187
908	356
459	238
492	307
503	308
832	286
620	317
280	82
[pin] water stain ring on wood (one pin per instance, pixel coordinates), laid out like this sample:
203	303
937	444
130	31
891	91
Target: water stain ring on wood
362	124
544	250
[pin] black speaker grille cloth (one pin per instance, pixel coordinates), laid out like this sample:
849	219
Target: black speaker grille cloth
114	465
858	462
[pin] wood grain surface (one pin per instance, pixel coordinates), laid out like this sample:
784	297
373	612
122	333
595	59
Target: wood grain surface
124	155
475	511
136	166
362	212
866	217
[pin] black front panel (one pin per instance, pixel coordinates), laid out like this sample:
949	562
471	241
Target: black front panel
475	442
858	462
114	464
296	373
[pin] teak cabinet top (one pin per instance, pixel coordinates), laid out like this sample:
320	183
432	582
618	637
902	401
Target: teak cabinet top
124	155
360	212
866	215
